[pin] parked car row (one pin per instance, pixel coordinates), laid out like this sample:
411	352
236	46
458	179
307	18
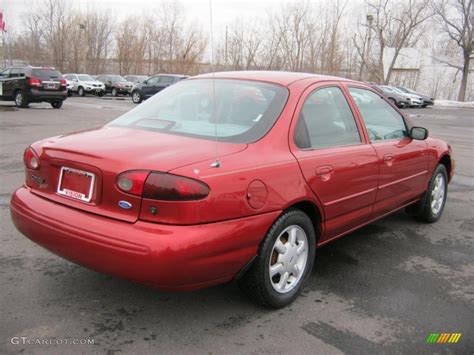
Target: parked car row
404	97
24	85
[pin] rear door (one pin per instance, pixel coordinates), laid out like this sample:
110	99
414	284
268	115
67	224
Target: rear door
335	158
402	161
164	82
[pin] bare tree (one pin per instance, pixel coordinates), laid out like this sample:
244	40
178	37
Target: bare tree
456	19
397	25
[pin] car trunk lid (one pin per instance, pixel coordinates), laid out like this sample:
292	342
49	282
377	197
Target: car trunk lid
79	169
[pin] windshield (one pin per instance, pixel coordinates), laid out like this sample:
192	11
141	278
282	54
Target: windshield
243	111
46	74
116	78
85	78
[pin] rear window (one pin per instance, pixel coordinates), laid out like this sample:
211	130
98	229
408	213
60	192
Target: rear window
46	74
230	110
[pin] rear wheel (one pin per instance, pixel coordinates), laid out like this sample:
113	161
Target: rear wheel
21	100
283	263
81	91
430	208
393	102
57	104
114	92
136	97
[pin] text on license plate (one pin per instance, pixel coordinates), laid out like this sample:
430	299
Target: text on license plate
76	184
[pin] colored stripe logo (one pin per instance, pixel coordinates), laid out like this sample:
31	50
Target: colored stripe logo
441	338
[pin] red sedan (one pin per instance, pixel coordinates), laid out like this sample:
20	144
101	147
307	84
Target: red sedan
238	176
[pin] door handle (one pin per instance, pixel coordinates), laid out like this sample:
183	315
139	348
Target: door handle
388	159
324	171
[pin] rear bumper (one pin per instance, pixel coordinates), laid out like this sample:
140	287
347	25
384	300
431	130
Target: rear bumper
164	256
37	95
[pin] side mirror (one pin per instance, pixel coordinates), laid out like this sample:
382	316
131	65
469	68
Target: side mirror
145	82
418	133
109	82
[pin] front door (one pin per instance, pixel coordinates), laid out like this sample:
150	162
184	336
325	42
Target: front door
337	162
402	161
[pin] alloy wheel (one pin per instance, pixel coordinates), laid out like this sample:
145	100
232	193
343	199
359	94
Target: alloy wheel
288	259
437	194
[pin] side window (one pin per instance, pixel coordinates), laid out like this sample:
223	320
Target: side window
326	120
166	80
381	120
14	73
153	81
4	74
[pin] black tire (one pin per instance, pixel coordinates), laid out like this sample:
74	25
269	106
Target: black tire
21	100
81	91
69	93
423	210
256	283
57	104
100	93
136	97
393	101
114	92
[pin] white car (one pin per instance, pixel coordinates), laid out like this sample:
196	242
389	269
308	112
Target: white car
69	87
84	84
416	100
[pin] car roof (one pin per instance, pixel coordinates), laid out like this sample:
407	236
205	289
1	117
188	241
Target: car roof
277	77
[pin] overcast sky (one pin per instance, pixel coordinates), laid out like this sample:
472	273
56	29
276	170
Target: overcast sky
224	11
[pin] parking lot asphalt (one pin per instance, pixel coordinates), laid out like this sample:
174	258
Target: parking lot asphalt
382	289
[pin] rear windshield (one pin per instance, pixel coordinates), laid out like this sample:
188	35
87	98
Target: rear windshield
46	74
228	110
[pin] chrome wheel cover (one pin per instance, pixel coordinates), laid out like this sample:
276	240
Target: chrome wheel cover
288	259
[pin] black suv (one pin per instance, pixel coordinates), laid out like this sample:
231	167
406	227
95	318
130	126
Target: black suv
25	85
154	84
115	84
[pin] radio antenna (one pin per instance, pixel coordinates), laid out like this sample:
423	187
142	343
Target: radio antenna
216	163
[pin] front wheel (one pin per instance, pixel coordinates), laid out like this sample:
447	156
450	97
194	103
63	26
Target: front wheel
283	262
81	91
431	206
114	92
136	97
57	104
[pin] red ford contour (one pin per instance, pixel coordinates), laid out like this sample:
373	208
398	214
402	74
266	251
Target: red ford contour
239	176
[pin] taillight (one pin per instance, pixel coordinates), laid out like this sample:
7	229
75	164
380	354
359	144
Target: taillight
168	187
62	82
34	82
132	182
31	159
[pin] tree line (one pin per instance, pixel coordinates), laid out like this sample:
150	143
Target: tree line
335	37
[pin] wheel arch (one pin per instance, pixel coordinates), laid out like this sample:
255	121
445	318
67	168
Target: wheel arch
313	212
446	161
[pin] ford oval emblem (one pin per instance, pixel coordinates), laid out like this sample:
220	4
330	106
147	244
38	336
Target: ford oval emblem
125	205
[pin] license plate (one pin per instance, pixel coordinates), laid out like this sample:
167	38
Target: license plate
51	85
76	184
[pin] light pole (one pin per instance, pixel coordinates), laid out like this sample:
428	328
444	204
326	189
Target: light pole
369	18
82	27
